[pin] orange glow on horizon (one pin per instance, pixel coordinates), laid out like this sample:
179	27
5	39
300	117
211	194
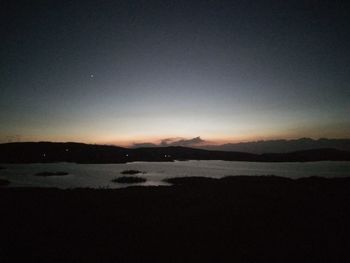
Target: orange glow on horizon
129	139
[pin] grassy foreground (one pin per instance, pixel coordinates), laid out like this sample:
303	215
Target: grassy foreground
234	219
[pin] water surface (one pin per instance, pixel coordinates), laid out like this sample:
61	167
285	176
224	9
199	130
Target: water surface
100	175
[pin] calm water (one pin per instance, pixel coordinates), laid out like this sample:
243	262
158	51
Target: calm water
100	175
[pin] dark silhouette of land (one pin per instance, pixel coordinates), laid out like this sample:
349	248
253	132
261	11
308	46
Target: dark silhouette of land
234	219
282	146
132	172
45	174
87	153
4	182
129	180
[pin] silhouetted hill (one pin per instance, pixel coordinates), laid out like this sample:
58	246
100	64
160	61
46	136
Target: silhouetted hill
307	156
28	152
282	146
31	152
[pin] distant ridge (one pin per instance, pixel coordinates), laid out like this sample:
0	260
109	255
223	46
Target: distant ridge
38	152
282	146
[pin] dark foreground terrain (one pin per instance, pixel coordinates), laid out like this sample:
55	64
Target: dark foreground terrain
235	219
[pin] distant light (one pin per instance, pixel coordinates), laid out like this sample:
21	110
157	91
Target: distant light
44	154
67	150
126	155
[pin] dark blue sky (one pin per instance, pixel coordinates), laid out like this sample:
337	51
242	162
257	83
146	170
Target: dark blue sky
133	71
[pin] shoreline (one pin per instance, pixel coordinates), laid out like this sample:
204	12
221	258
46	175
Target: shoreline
172	161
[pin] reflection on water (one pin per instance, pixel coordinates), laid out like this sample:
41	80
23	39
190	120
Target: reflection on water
100	175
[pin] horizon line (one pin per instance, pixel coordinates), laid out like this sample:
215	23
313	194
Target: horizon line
209	143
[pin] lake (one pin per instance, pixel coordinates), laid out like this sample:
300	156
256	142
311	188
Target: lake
100	175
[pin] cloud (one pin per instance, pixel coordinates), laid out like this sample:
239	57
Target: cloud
173	142
168	141
183	142
144	145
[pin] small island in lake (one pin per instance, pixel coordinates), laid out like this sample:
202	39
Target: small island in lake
4	182
129	180
45	174
132	172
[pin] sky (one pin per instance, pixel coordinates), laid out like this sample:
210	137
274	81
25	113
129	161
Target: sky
129	72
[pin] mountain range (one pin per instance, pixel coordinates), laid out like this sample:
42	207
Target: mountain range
282	146
47	152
